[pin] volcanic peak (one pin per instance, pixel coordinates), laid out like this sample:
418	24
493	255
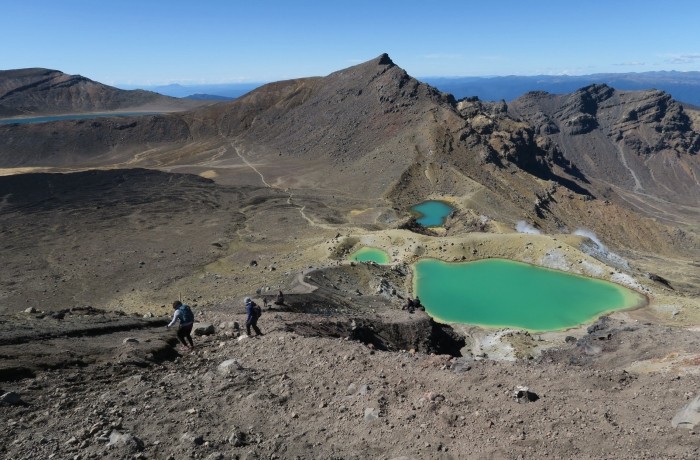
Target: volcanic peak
384	59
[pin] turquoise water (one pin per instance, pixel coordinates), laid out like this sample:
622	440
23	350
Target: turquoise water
82	116
504	293
367	254
432	213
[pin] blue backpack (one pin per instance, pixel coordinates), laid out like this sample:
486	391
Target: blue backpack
186	315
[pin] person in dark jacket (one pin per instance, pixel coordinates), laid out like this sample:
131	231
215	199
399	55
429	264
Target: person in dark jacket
184	314
417	304
253	311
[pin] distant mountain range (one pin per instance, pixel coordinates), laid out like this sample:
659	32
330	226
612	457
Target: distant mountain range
225	91
683	86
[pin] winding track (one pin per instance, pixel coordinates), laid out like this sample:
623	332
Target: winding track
637	183
286	190
250	165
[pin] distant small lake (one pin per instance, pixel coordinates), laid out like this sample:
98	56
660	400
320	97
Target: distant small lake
368	254
505	293
432	213
81	116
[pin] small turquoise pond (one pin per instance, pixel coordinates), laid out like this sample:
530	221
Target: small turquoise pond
432	213
504	293
367	254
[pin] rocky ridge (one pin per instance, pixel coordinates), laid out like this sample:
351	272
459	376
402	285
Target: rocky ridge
45	91
640	141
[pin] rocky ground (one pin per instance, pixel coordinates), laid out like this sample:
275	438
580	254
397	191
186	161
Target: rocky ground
88	370
273	192
313	387
342	372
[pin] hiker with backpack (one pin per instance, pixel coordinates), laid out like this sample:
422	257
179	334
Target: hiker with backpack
280	299
254	311
184	314
417	304
409	305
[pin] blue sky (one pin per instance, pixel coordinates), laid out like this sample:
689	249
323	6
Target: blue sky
151	42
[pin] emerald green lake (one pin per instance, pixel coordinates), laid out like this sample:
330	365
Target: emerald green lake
432	213
370	255
504	293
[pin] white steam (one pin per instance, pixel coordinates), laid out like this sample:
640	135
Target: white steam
591	236
600	251
523	227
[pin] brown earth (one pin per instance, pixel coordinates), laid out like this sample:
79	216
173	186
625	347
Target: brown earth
33	92
334	375
304	390
301	390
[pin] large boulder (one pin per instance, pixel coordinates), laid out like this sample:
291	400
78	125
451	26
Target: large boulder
10	398
125	440
523	394
229	367
203	329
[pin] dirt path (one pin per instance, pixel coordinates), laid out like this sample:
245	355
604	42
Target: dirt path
637	184
301	208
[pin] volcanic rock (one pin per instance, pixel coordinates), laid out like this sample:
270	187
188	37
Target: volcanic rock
203	329
689	416
10	398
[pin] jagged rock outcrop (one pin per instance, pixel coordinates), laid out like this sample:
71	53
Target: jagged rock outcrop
579	112
637	141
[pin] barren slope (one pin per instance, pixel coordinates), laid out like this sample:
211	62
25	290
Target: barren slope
44	91
304	173
641	142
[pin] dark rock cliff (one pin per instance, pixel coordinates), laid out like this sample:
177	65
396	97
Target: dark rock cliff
640	141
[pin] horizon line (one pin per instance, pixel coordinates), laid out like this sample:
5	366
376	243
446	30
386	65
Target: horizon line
253	82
